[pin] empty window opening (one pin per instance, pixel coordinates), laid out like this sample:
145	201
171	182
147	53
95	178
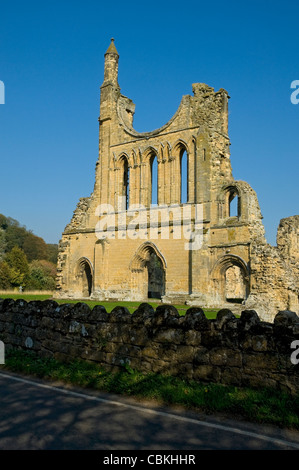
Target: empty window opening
234	205
184	177
126	184
154	180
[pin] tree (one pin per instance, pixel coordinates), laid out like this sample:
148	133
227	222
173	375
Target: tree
48	267
5	275
15	234
19	268
3	243
52	249
34	247
42	275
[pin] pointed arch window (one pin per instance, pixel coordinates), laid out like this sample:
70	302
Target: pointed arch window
234	203
154	180
184	190
125	183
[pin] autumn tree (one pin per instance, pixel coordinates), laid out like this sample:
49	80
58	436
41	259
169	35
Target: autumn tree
34	247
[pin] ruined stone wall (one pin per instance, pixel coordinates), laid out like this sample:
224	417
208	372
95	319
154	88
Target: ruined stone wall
275	272
114	263
234	351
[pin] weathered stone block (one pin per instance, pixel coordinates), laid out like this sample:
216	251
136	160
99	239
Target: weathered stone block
224	316
218	357
120	315
205	372
168	335
249	319
165	314
286	319
81	311
201	356
150	352
136	336
259	343
257	362
99	314
196	319
144	314
192	337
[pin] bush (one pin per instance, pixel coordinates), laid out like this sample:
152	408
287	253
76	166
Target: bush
41	275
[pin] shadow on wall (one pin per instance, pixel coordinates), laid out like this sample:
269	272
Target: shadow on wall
234	351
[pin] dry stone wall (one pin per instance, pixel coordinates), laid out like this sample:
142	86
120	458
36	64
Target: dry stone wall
241	351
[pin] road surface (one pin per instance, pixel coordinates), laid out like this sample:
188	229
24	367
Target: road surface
38	415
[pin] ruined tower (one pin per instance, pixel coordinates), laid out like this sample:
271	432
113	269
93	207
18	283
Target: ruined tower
166	219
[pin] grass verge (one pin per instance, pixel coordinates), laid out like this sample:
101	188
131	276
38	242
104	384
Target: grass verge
260	406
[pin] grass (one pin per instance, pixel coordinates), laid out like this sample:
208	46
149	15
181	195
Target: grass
28	297
131	306
260	406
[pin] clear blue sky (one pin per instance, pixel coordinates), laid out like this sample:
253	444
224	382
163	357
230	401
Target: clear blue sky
51	62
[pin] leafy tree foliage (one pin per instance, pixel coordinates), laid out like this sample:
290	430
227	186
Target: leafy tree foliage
52	250
5	275
13	234
25	259
35	247
3	243
19	268
42	275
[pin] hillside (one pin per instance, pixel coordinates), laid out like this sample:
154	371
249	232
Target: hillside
26	260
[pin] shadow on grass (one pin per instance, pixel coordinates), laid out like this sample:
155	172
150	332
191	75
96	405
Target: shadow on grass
260	406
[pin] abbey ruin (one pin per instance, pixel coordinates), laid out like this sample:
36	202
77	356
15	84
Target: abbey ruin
167	220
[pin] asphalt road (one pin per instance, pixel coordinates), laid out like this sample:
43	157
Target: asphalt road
37	415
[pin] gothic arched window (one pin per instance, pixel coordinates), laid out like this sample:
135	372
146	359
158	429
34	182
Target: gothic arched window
154	179
125	183
184	190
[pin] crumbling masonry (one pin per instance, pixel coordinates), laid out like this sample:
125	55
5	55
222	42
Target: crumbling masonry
178	175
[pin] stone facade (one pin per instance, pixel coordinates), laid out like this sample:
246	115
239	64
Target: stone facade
180	179
241	351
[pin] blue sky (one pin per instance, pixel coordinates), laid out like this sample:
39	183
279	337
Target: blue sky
51	62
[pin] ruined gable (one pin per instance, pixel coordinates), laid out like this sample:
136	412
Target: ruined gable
179	179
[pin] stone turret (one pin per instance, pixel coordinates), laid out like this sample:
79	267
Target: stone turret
111	65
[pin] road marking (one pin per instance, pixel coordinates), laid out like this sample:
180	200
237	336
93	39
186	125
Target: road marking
220	427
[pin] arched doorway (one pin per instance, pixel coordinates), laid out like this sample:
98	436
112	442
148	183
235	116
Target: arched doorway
148	268
84	277
230	278
155	275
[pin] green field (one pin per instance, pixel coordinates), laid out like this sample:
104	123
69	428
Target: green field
131	306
